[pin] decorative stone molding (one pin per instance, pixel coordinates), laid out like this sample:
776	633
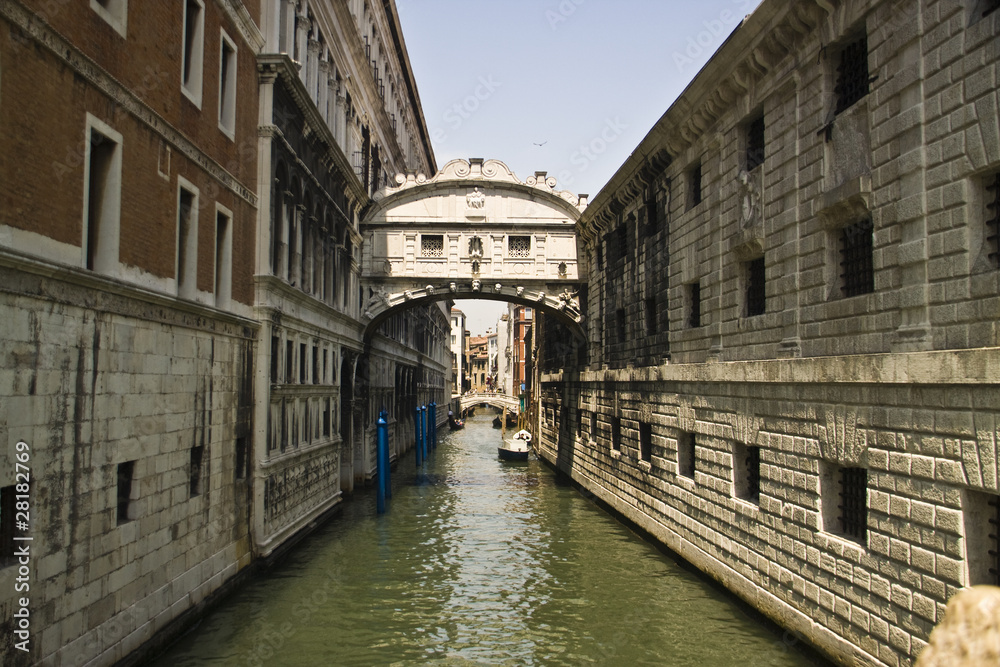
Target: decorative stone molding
846	204
842	435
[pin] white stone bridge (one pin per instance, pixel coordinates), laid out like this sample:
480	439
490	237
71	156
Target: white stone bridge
472	231
508	403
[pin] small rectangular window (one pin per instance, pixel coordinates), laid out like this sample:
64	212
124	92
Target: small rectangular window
242	458
8	507
431	245
645	441
755	143
694	186
223	257
103	192
326	359
600	255
187	240
622	325
652	215
686	454
755	294
289	361
227	86
621	240
746	472
194	46
195	471
126	512
856	259
694	305
616	434
650	310
519	246
852	74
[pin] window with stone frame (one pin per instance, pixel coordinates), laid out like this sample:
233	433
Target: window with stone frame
844	500
616	434
115	12
755	292
852	80
686	454
227	85
981	517
754	143
746	472
857	272
992	187
645	441
126	495
102	189
193	48
187	239
650	313
519	246
621	325
432	245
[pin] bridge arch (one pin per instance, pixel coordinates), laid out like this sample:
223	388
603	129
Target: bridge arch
472	231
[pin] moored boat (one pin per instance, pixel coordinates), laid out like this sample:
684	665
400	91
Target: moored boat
516	448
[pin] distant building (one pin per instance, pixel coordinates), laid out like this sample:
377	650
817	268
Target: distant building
478	355
457	347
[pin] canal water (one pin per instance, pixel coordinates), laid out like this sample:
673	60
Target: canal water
480	562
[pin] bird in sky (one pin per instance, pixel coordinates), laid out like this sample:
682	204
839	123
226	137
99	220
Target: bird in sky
541	144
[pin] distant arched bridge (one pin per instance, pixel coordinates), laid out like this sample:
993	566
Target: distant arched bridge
509	403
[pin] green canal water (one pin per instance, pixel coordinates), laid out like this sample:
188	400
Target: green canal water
481	562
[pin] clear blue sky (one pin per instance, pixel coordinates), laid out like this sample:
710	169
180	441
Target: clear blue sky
587	79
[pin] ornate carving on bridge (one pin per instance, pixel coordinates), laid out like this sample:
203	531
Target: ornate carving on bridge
376	296
475	247
475	200
476	285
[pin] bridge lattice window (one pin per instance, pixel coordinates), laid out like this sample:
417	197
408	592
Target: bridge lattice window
519	246
432	245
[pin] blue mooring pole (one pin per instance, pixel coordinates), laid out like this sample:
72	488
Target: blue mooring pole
417	445
423	429
432	426
388	458
383	460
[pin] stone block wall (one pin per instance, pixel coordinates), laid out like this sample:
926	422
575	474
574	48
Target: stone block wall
929	447
98	378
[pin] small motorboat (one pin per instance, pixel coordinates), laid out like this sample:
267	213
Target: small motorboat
516	448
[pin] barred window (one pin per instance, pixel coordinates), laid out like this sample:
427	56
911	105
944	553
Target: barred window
993	216
852	74
126	471
746	472
694	305
854	503
652	215
981	513
650	316
431	245
755	143
622	325
755	287
616	434
8	507
519	246
857	273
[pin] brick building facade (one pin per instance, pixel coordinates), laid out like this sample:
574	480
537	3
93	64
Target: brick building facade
793	304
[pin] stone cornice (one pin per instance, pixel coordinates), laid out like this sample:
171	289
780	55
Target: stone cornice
751	52
97	292
281	65
86	68
240	17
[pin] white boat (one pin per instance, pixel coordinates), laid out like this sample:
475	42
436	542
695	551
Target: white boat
517	447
